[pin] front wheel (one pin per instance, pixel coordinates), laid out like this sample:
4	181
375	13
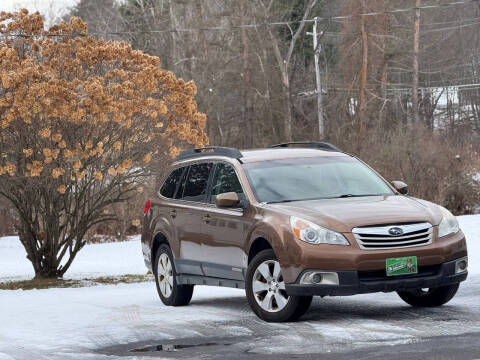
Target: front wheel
169	291
266	293
430	297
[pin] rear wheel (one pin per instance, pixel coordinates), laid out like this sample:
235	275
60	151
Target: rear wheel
169	291
266	293
430	297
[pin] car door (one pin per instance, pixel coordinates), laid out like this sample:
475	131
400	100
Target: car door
225	228
188	211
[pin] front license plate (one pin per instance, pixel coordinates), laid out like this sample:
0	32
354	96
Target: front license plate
402	266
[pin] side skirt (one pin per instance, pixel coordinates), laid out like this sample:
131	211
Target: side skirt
185	279
191	272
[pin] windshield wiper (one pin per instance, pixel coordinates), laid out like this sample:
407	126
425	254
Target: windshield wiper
353	195
321	198
279	201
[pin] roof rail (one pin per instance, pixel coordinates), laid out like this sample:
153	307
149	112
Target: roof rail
209	151
321	145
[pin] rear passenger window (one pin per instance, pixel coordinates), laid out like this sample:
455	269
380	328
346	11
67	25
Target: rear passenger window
169	186
181	187
197	182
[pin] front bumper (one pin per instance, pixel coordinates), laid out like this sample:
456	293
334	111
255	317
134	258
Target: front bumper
362	282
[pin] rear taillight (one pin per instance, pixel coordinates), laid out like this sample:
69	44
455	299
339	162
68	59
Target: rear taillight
147	206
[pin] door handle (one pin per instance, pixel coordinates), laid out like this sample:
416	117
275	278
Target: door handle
206	219
173	213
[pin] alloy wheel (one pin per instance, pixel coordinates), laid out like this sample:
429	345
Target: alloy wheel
165	275
268	286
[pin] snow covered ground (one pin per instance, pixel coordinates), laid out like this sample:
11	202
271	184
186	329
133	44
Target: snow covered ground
470	225
108	321
107	259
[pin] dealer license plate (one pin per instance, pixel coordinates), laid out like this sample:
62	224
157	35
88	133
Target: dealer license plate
401	266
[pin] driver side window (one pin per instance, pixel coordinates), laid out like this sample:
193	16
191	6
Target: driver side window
225	180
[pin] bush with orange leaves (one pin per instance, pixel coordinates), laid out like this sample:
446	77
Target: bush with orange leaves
80	120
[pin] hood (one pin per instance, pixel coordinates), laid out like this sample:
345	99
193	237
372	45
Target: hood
342	215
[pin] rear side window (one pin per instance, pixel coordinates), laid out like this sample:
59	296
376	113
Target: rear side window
170	184
197	182
181	187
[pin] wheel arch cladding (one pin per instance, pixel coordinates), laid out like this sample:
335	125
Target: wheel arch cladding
158	240
259	244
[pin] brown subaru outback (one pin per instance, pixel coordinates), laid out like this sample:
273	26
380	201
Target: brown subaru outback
292	221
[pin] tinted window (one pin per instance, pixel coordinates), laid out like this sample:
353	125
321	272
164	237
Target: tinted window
181	187
225	180
196	183
170	184
313	178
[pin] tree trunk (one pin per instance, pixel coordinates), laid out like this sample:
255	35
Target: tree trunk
44	262
247	113
46	250
123	222
364	71
283	64
416	43
173	22
287	99
288	111
383	92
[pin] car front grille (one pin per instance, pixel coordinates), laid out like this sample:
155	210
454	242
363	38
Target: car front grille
393	236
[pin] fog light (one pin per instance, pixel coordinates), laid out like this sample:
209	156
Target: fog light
461	265
319	278
316	278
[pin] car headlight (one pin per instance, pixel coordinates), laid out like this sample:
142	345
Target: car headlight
314	234
448	225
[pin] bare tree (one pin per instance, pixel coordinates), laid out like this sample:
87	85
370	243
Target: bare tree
284	58
253	68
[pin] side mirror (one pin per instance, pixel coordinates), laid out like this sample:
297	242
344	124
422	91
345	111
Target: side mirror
401	187
226	200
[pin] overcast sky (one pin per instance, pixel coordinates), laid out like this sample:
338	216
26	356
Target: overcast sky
51	9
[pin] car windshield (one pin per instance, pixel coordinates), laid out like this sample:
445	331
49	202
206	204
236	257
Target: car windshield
313	178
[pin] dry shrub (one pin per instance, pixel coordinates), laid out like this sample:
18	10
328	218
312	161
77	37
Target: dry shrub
434	168
81	123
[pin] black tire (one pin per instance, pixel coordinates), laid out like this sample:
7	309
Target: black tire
431	298
180	294
296	306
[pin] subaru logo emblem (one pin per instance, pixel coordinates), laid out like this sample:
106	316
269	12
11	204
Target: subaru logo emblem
395	231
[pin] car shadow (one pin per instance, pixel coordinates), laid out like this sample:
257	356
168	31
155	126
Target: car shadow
338	308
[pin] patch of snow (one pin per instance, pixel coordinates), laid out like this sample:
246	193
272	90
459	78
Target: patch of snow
105	259
5	357
470	225
65	319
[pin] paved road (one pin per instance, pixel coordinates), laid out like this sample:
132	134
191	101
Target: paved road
378	326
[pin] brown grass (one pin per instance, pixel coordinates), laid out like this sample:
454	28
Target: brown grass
61	283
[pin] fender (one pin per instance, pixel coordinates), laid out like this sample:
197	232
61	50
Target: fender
164	227
156	222
272	234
